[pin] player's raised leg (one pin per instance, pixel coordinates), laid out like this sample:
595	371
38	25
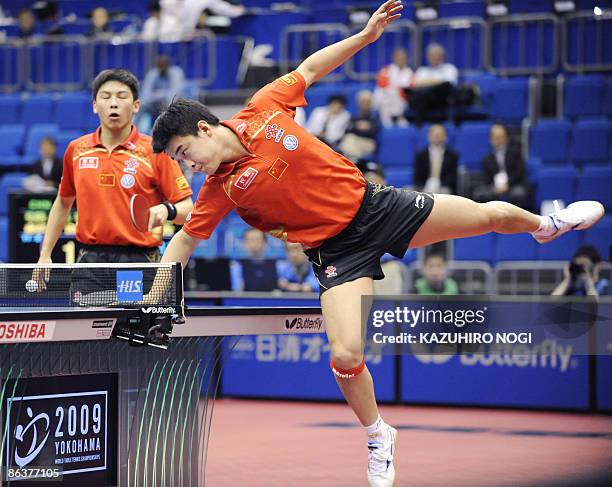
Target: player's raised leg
341	307
458	217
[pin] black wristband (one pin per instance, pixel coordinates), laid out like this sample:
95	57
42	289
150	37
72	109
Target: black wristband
172	211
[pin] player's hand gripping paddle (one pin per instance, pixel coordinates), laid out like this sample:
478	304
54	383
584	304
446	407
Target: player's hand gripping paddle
139	212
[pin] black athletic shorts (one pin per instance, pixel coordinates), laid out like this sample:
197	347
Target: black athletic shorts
94	280
385	223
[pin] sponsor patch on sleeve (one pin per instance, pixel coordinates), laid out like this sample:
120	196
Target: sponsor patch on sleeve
182	183
289	79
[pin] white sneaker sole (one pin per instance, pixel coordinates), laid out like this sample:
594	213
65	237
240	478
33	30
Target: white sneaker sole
582	226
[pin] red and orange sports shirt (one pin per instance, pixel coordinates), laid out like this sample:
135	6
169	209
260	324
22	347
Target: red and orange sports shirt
104	182
293	186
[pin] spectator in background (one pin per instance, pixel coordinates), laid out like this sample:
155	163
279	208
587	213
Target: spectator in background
161	84
435	168
435	278
255	272
26	23
295	274
432	85
151	26
389	97
372	171
362	131
49	166
329	123
504	172
99	22
581	275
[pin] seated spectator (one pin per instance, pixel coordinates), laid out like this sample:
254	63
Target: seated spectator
26	23
99	23
435	168
504	172
254	273
432	85
362	131
435	278
295	274
151	26
581	275
329	123
49	166
161	84
372	171
389	97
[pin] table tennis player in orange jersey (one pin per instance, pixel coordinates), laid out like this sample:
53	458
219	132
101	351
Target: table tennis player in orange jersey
286	182
102	171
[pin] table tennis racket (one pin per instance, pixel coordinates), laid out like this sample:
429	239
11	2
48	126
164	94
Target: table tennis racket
139	212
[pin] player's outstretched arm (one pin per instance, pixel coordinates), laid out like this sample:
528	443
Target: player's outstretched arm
329	58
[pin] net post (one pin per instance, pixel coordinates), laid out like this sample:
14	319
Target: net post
180	296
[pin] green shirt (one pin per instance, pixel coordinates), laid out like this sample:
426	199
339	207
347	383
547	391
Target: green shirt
450	287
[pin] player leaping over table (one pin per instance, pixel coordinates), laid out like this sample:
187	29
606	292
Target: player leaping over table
289	184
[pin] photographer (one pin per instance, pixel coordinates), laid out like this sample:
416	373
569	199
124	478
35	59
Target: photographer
581	276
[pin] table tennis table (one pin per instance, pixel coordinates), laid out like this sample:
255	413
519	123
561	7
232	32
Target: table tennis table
108	411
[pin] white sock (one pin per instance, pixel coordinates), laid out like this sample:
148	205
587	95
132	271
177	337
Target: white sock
547	227
375	427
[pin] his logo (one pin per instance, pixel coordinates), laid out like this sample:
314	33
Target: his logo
290	142
330	271
420	201
21	432
88	162
246	178
128	181
290	325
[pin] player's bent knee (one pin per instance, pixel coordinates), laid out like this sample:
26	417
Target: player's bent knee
348	374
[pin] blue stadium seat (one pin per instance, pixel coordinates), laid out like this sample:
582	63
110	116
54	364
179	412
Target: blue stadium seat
12	137
71	108
396	146
399	176
318	95
591	141
516	247
476	248
583	96
510	100
37	108
9	109
562	248
36	133
549	140
10	181
608	95
472	144
595	183
557	182
4	231
63	138
600	236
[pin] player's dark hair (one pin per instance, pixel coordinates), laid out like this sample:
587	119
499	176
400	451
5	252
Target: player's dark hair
180	119
123	76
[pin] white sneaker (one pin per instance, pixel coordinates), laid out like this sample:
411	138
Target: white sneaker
381	448
577	216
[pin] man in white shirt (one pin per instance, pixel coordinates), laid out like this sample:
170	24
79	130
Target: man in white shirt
432	84
329	123
389	97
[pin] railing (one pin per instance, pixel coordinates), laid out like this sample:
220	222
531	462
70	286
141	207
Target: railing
536	53
594	55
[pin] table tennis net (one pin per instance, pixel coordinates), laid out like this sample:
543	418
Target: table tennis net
90	285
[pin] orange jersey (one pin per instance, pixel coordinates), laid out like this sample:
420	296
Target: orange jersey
103	184
293	186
